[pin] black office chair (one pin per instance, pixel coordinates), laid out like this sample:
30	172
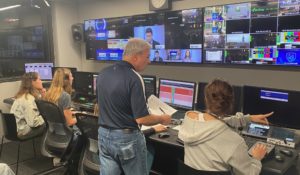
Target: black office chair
89	161
184	169
10	133
60	140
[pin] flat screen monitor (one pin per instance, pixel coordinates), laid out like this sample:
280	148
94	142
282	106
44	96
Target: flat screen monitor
284	103
288	57
263	25
288	23
214	41
263	55
177	93
214	13
237	11
237	56
237	41
155	35
288	7
43	69
84	83
263	40
237	26
238	98
150	85
215	27
265	8
214	56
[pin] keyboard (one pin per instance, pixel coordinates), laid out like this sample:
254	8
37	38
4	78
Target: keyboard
251	143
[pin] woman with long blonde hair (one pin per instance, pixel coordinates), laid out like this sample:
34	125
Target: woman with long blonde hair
60	93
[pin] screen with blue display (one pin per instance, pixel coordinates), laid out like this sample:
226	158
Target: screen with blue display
288	57
154	35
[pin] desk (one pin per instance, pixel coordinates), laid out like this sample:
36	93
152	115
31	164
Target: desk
168	150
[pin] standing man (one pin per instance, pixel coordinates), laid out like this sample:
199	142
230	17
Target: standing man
123	107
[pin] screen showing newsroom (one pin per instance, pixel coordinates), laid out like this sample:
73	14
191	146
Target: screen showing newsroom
174	36
258	32
177	93
43	69
284	103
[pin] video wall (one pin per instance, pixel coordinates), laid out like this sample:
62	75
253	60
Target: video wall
175	36
260	32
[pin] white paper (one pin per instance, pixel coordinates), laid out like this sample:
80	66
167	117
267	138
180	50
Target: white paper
158	107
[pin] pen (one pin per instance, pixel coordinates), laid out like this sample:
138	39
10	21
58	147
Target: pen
162	111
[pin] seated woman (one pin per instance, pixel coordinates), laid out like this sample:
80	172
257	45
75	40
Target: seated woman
60	93
210	144
29	121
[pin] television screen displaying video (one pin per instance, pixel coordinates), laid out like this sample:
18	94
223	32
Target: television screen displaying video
266	8
214	41
263	55
155	35
215	27
288	23
213	56
288	57
109	54
264	25
234	41
263	40
237	56
216	13
237	11
184	29
238	26
158	55
119	28
289	7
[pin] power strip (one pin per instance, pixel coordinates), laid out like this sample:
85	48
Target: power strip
281	142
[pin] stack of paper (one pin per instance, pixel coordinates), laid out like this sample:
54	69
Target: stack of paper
158	107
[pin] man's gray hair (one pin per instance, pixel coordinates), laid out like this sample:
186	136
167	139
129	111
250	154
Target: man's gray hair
136	46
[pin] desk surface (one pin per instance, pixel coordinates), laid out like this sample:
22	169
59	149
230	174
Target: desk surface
270	165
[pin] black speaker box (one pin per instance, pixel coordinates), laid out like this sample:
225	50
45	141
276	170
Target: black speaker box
77	32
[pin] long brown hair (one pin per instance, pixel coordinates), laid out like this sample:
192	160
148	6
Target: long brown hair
26	85
219	98
60	83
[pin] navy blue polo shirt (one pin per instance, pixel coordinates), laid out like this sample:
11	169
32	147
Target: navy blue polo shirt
121	96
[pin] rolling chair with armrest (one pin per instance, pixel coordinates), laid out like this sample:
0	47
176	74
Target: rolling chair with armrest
10	133
60	140
184	169
89	161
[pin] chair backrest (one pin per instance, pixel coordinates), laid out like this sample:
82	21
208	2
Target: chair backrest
53	116
60	139
10	126
184	169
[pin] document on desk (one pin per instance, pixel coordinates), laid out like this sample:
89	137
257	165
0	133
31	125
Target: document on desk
158	107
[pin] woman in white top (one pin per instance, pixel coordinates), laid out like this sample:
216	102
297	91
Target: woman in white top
29	121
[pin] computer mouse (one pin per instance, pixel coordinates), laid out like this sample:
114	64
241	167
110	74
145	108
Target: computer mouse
278	158
286	152
163	135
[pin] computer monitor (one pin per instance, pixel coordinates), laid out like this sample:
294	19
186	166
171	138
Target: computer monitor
150	85
284	103
177	93
43	69
238	98
83	82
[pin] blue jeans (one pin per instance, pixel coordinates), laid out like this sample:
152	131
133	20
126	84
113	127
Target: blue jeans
122	151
